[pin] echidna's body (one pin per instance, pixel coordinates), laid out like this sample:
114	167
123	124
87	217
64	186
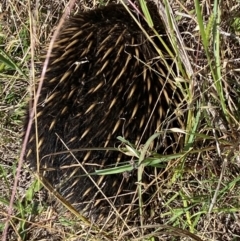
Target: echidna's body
105	79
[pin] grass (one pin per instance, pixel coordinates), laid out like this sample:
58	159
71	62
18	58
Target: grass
198	191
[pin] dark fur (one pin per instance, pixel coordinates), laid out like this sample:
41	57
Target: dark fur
81	56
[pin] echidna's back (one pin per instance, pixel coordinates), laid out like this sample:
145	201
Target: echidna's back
104	80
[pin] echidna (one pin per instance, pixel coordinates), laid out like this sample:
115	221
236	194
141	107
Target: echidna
105	79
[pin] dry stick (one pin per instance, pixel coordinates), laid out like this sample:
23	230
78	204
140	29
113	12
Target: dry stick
10	208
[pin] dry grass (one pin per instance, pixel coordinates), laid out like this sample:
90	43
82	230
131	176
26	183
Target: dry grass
198	191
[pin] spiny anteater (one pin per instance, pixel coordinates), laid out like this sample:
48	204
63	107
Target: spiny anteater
105	79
